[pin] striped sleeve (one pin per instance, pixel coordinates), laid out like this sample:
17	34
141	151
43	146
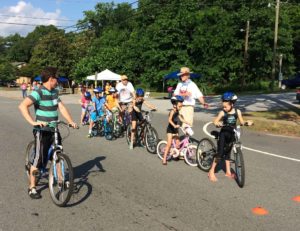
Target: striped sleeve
34	96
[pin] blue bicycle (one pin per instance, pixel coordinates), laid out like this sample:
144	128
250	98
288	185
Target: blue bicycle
103	128
58	166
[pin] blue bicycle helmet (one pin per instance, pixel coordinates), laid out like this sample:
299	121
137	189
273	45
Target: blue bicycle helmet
229	97
176	99
140	92
98	90
87	94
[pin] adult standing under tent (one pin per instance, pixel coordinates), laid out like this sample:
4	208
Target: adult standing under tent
107	87
189	91
73	85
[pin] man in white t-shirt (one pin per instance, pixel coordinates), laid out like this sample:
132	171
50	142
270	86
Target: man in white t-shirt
126	93
189	91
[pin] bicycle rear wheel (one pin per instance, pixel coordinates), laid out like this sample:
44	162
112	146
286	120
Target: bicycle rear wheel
151	139
29	151
190	155
239	167
61	180
206	151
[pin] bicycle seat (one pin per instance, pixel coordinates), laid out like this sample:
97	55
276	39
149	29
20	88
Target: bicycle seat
215	134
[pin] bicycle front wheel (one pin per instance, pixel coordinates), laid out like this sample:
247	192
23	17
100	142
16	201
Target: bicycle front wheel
239	167
108	131
190	155
128	134
117	130
151	139
61	180
205	154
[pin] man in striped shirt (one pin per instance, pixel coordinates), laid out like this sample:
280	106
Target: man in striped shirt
46	103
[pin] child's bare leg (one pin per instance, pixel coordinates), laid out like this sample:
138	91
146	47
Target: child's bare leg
177	141
133	128
228	169
211	174
167	150
81	117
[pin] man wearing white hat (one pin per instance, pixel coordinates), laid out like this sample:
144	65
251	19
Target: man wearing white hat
126	93
189	91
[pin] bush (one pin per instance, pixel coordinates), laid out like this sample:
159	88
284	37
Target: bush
236	87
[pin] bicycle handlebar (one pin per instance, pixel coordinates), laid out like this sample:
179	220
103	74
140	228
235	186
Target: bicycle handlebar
227	125
56	122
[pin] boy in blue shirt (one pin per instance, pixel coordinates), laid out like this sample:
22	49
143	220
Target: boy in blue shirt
98	102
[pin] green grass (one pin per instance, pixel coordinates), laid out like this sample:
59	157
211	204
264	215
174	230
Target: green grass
281	122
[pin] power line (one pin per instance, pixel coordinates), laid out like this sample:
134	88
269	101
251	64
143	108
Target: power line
27	24
19	16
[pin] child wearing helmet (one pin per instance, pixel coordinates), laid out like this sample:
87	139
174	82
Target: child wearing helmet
85	102
136	114
112	102
98	102
226	119
175	119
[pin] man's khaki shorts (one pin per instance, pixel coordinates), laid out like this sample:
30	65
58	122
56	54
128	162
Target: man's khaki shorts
188	114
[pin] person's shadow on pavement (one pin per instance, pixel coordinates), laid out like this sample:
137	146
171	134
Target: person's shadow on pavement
82	188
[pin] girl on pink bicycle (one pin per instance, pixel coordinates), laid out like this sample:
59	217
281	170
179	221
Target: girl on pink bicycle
174	123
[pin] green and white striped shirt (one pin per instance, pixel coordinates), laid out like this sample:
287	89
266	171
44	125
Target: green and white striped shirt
45	104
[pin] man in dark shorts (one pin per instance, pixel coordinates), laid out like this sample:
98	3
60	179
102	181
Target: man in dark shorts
46	103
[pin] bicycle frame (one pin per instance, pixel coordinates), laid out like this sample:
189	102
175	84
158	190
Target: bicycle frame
52	152
142	126
182	144
126	115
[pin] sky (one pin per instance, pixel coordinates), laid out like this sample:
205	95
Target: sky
61	13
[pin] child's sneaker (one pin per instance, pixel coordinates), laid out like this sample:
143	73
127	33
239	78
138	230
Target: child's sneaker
130	145
89	135
34	194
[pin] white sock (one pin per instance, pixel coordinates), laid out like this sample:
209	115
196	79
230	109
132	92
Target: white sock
90	131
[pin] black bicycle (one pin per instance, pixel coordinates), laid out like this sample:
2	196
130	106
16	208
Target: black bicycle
57	167
206	152
146	135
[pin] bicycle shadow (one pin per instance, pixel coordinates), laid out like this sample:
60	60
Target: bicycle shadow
82	188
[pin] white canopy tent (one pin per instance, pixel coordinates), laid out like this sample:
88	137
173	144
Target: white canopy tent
104	75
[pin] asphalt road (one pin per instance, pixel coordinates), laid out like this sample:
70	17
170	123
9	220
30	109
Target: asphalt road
120	189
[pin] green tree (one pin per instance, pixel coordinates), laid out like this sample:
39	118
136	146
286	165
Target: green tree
53	50
7	71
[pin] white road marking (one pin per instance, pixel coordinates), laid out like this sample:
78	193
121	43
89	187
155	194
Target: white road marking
251	149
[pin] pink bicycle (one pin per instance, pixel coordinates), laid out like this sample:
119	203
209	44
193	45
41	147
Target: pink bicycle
186	148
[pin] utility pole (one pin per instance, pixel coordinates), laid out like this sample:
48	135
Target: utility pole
280	77
246	52
275	41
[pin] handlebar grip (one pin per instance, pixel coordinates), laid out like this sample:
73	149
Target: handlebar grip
70	126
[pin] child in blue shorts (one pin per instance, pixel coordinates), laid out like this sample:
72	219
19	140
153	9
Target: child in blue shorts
98	102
